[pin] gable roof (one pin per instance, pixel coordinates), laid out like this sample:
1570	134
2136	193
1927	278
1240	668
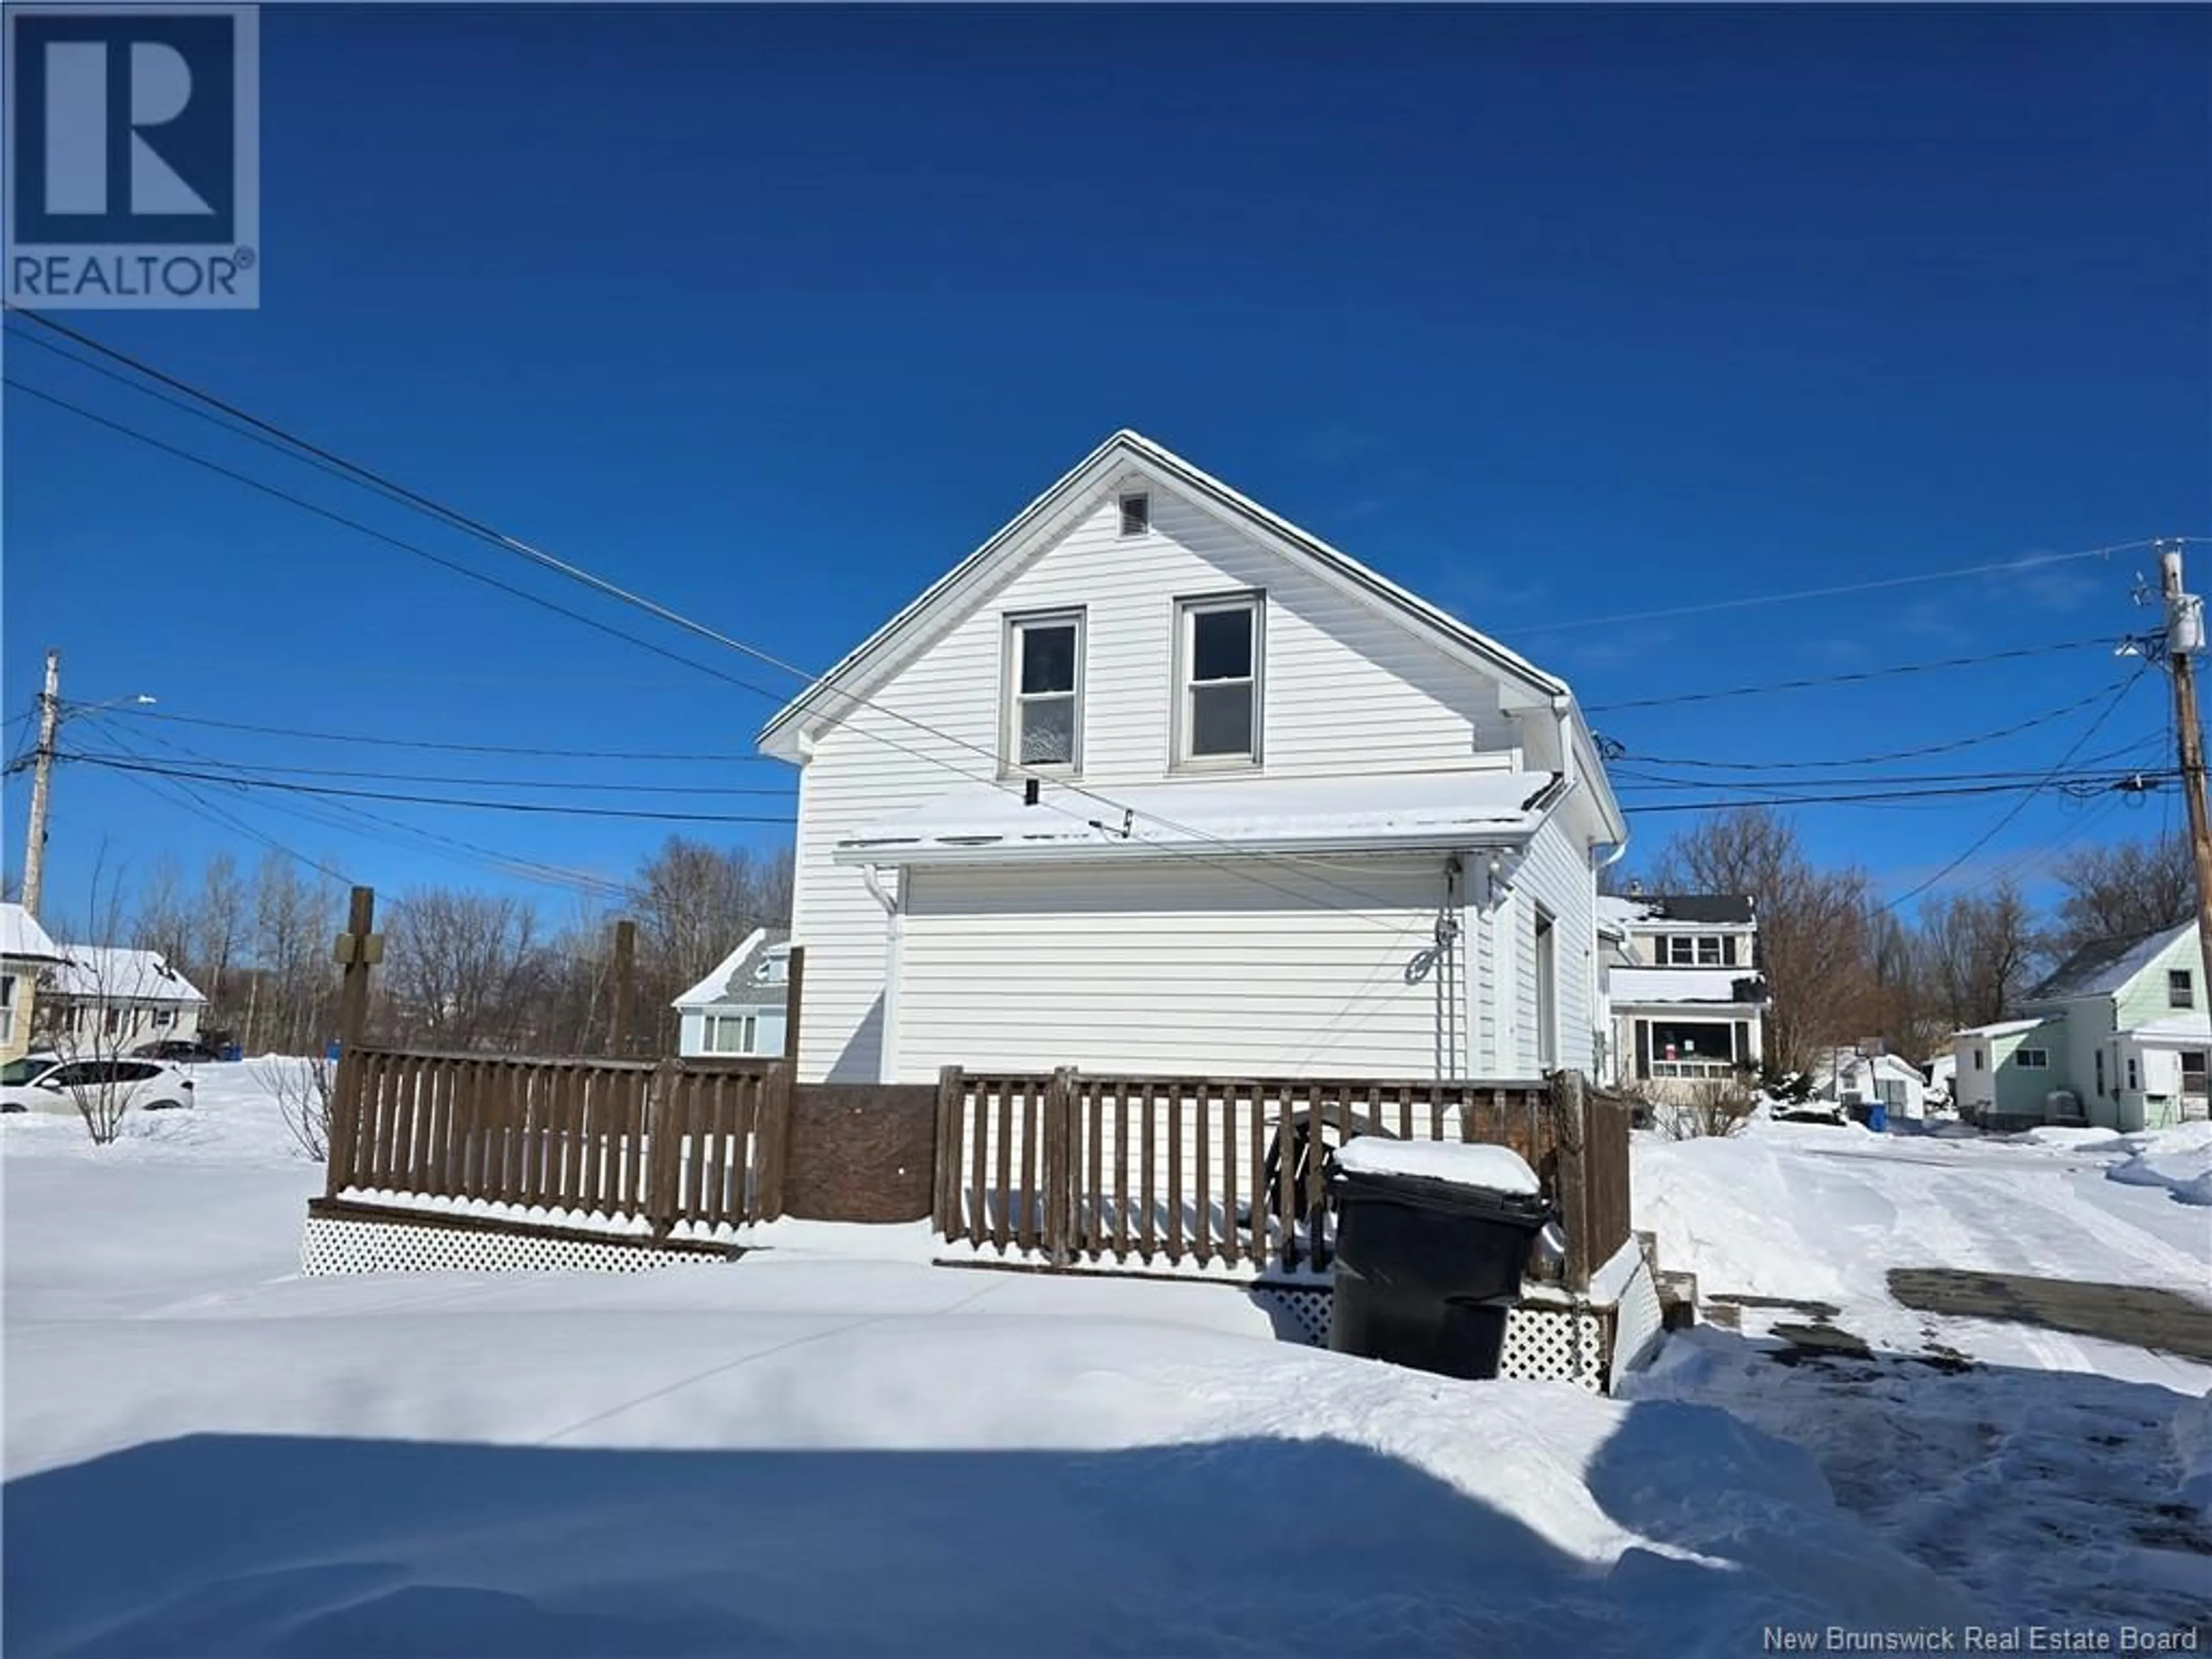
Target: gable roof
22	938
2104	967
909	633
104	973
732	982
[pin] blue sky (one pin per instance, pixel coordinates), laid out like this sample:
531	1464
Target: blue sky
1555	315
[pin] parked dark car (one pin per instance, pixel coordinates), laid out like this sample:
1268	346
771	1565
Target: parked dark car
178	1051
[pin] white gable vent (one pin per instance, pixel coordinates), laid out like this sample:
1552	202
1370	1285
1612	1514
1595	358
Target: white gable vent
1136	513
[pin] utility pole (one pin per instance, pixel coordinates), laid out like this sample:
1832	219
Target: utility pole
42	778
2185	639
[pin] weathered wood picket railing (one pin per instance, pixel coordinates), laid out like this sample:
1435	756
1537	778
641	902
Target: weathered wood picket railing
606	1141
1204	1172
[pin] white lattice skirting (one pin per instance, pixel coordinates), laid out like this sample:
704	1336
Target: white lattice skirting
1542	1343
336	1246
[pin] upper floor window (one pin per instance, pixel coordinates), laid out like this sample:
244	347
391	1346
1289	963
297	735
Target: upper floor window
1044	690
1218	655
2039	1060
2179	992
1697	950
1136	513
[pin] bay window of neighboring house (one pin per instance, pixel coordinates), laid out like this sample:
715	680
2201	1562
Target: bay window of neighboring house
1044	693
1218	654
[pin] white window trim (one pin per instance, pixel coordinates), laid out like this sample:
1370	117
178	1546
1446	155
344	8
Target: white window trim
2180	988
748	1027
1254	600
1011	763
2040	1063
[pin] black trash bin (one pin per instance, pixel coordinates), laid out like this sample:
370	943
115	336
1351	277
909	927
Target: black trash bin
1428	1265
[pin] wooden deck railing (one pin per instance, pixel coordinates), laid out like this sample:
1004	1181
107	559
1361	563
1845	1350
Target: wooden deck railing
1209	1171
599	1140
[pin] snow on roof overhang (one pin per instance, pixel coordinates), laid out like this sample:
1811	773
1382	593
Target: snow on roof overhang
1437	811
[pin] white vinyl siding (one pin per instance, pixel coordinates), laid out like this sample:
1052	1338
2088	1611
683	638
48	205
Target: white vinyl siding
1348	692
1557	875
1172	966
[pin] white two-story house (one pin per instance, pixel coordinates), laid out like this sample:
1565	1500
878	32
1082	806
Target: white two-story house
1155	782
1684	998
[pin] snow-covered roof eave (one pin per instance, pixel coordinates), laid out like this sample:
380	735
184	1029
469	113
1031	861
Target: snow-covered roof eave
786	734
917	851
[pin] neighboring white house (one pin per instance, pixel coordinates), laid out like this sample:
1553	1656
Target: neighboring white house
25	953
1683	998
739	1008
107	1000
1846	1076
1156	781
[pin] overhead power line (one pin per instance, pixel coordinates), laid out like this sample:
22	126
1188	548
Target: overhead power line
249	770
531	751
2022	804
1891	670
351	818
1977	740
644	815
1997	567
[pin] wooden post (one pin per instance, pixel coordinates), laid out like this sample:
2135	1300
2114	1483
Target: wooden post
342	1154
1571	1112
357	953
664	1154
774	1139
625	987
951	1102
794	997
1059	1165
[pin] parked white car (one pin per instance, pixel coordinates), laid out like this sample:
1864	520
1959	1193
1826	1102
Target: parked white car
46	1083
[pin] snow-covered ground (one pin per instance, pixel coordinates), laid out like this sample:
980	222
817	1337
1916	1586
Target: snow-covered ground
2060	1477
831	1448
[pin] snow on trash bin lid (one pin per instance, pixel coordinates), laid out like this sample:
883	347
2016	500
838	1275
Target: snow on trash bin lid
1493	1168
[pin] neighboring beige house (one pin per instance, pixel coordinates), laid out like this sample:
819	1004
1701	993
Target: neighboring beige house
107	1000
1682	1000
1156	781
24	952
740	1007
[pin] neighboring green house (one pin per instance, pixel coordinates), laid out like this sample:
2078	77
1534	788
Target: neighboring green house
2007	1071
2116	1037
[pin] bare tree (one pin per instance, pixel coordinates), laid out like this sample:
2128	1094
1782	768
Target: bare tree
220	927
2115	892
1977	954
695	904
463	969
